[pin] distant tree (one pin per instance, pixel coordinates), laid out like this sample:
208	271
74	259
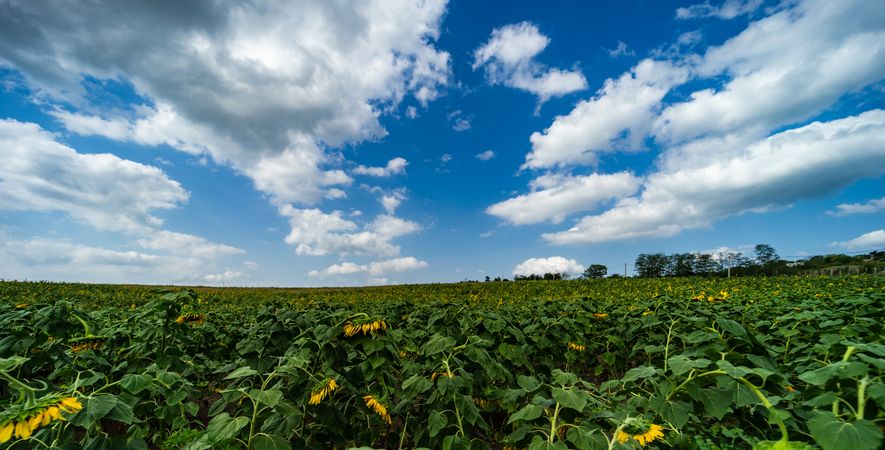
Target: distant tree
649	265
705	264
682	264
595	271
765	254
488	279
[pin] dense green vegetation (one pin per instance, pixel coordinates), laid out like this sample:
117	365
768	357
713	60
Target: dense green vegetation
781	362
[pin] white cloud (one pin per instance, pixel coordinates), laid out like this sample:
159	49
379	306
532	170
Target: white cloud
553	264
265	90
375	268
378	281
445	158
186	245
314	232
870	206
621	50
806	162
618	117
485	155
395	166
107	192
411	112
459	121
40	258
871	240
392	200
727	10
553	197
782	69
224	277
509	59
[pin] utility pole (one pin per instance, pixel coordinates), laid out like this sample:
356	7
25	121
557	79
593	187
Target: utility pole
625	270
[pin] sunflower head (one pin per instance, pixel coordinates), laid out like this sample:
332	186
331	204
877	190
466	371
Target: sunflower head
364	326
191	318
322	390
87	343
377	405
600	315
576	347
639	430
21	421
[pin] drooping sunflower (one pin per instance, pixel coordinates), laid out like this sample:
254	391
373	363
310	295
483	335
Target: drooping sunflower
576	347
87	343
322	390
378	406
191	319
640	432
364	326
22	421
600	315
436	375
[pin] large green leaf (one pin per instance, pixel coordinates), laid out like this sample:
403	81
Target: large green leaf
223	427
528	412
135	383
573	398
833	434
270	442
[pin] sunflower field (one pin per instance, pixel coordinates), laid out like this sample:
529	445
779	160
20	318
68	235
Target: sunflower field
763	363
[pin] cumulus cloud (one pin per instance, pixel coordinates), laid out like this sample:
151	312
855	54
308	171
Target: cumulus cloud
727	10
314	232
805	162
186	245
224	277
553	264
269	91
107	192
553	197
39	258
621	50
392	200
617	118
485	155
872	240
375	268
459	121
509	59
870	206
742	145
395	166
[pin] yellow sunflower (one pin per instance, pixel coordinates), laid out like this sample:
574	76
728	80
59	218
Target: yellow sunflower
22	423
365	327
376	405
600	315
576	347
322	391
652	433
191	319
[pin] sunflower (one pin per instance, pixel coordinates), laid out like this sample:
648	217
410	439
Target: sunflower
436	375
376	405
191	319
600	315
364	326
640	432
21	421
576	347
87	343
322	391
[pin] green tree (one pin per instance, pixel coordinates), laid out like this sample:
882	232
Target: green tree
650	265
595	271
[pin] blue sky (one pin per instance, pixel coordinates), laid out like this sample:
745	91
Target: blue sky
352	143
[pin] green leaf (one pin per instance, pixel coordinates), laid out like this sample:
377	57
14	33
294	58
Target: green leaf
436	422
840	369
528	383
717	402
269	397
135	383
570	398
672	411
270	442
467	408
639	372
242	372
223	427
121	413
539	443
564	378
94	409
732	327
731	369
528	412
681	364
438	343
586	440
782	445
833	434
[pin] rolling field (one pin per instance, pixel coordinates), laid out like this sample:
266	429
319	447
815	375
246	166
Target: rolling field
614	363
